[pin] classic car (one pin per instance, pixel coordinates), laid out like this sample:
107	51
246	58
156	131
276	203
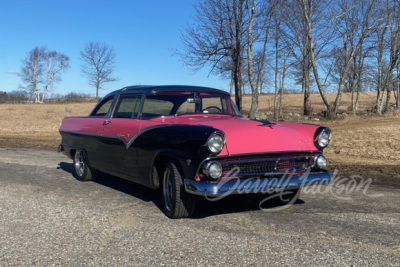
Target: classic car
187	141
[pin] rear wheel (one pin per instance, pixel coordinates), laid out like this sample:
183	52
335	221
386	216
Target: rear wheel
176	201
82	171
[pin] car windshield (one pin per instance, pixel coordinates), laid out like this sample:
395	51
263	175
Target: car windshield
188	104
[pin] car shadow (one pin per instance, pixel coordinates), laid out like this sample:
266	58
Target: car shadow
127	187
204	207
238	203
67	167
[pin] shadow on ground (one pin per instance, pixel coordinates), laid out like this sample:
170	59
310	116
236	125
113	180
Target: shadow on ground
204	207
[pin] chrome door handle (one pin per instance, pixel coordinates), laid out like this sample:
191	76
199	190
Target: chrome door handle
106	122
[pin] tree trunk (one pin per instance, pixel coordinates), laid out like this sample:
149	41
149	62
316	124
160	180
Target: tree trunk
231	85
398	87
238	87
381	42
359	78
253	85
237	53
284	70
306	77
307	15
276	71
388	96
353	86
97	88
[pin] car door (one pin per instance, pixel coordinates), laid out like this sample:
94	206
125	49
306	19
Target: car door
118	131
93	127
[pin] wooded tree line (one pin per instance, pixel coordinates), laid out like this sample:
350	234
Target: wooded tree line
22	96
16	96
331	45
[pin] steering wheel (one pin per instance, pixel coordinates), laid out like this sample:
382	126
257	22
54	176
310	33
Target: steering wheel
211	107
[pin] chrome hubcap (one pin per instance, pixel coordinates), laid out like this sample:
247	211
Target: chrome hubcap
79	163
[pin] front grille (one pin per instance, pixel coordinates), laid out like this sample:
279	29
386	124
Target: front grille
267	166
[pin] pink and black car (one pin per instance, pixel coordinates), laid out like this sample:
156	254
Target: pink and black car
192	141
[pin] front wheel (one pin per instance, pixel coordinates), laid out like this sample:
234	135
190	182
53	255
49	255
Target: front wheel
176	201
82	171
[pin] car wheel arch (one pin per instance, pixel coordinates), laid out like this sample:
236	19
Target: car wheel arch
158	167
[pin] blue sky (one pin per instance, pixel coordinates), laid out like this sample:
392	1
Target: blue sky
144	34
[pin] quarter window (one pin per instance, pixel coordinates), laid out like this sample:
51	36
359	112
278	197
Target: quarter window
103	108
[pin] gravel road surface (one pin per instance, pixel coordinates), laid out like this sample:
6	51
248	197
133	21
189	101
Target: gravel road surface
47	218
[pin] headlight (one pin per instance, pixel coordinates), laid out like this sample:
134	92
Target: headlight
216	142
322	137
213	169
320	162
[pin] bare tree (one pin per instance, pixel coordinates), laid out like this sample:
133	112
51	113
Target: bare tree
295	31
32	71
258	36
309	7
394	42
354	24
352	35
285	43
254	87
216	40
329	43
98	64
55	63
42	66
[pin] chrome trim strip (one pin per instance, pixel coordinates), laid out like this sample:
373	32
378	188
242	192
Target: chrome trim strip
282	157
80	133
247	186
249	158
95	135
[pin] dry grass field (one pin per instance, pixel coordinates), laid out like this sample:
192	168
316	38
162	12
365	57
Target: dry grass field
366	145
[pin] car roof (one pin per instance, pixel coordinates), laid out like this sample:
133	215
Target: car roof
155	89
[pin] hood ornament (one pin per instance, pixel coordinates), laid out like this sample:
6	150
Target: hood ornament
265	123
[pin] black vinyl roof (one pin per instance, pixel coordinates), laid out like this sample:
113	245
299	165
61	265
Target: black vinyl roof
155	89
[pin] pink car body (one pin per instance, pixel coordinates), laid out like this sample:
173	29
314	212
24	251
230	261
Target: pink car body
192	141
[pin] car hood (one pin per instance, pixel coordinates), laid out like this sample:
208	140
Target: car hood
248	136
245	136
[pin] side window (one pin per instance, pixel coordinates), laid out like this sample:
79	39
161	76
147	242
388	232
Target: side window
156	107
128	107
186	107
103	108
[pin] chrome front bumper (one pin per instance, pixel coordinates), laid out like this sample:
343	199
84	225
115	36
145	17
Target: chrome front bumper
255	185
